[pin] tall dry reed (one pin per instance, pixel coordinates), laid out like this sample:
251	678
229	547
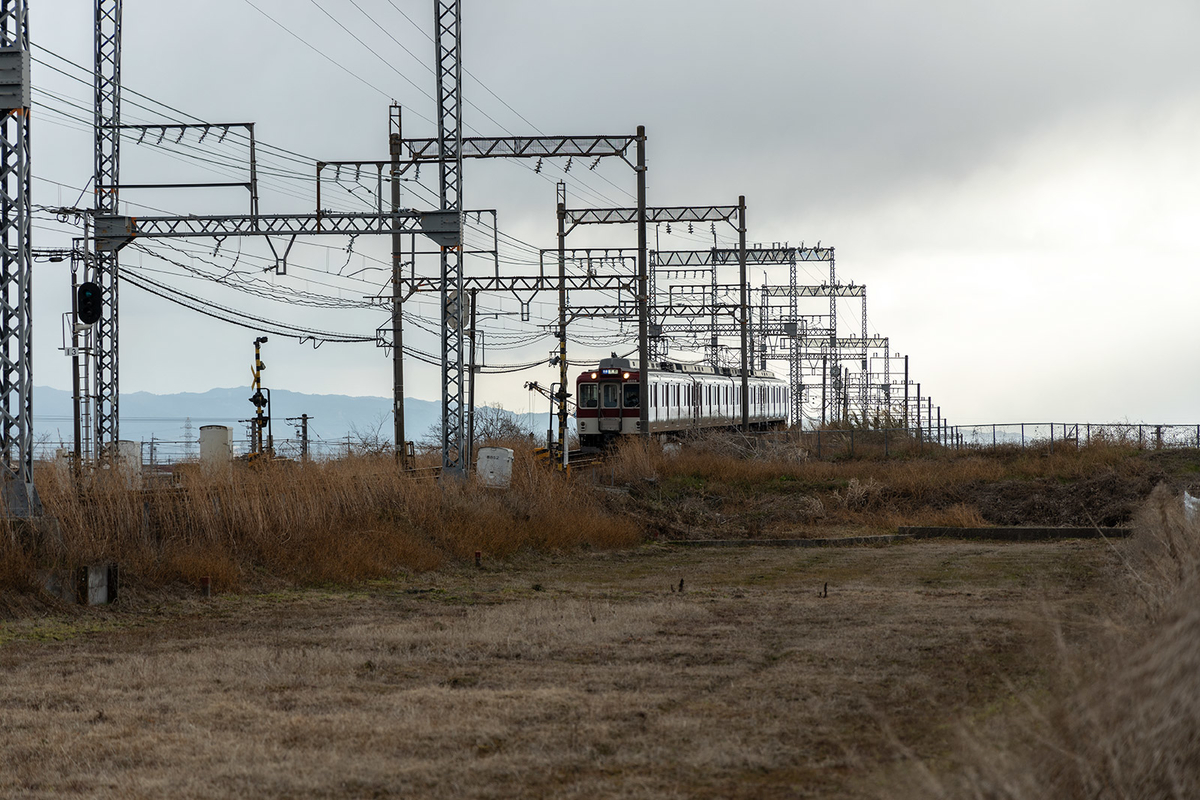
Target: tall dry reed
348	520
1122	716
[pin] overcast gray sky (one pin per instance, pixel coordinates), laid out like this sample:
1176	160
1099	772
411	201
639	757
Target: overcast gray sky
1015	183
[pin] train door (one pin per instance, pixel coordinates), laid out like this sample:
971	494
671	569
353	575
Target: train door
609	412
693	396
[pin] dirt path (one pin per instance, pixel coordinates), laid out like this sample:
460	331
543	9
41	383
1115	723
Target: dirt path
578	676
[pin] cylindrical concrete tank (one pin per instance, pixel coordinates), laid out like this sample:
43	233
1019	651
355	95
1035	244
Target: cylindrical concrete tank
216	447
494	467
129	462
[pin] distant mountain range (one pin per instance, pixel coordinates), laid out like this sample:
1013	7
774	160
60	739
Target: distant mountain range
165	417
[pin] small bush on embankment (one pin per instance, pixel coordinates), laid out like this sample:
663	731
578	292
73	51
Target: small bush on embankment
339	521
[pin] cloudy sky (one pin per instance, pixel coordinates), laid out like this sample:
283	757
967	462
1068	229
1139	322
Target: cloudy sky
1015	183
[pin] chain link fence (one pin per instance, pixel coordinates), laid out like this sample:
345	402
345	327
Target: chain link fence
827	443
165	453
1047	436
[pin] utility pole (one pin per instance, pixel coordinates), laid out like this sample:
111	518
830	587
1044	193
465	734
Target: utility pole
845	394
795	381
833	351
564	459
642	290
77	422
918	411
824	387
394	146
745	313
471	395
303	420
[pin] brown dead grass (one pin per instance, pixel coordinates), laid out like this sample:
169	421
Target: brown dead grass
722	486
584	675
1119	715
1055	670
344	521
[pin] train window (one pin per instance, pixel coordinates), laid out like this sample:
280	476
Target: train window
631	395
610	395
589	395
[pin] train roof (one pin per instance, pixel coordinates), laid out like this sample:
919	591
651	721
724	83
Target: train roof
705	369
615	363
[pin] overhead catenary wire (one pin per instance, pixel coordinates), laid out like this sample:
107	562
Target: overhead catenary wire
212	160
326	56
233	316
286	154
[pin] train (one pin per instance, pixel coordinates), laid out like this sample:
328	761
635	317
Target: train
683	397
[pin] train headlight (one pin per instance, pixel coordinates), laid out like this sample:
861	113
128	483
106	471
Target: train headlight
625	376
593	376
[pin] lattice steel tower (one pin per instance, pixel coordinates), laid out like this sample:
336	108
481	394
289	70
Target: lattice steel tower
106	181
448	21
16	305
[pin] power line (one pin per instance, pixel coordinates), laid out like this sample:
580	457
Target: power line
234	317
325	56
371	50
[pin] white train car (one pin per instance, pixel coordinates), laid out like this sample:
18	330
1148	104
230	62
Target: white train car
682	397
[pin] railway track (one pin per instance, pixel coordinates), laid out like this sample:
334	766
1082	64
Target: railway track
576	459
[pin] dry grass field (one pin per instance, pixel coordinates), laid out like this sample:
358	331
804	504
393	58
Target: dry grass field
352	649
585	675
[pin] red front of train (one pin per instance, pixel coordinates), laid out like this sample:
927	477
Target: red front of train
608	402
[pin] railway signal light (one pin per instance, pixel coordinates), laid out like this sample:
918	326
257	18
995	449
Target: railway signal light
88	302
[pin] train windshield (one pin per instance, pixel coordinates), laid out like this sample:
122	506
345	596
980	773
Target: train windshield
630	399
610	393
589	395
